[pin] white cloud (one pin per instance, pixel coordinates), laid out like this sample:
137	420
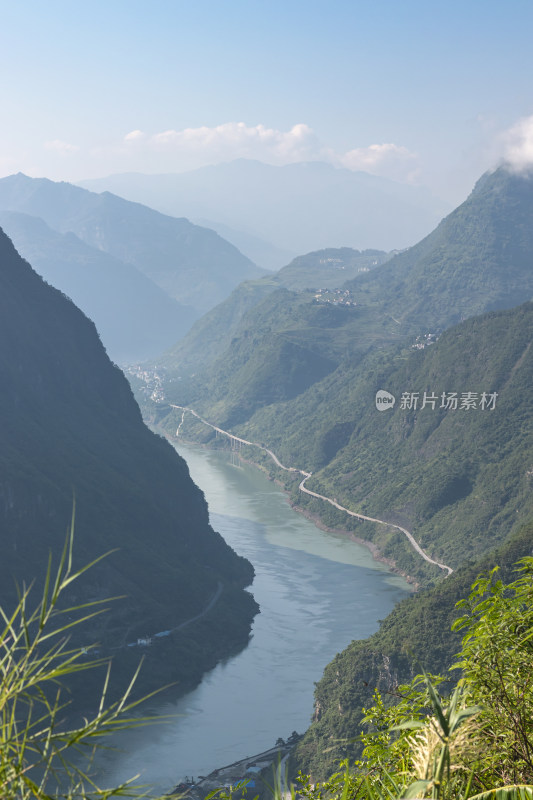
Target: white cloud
374	156
238	140
518	145
135	136
61	147
231	140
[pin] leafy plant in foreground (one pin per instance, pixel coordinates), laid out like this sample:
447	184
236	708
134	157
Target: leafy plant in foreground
477	743
37	748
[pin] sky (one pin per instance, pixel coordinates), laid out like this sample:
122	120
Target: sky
431	93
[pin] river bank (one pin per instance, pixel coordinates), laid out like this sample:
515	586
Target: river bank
385	526
313	517
249	774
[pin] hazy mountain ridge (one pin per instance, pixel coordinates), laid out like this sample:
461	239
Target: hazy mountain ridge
262	253
298	207
135	318
75	431
193	265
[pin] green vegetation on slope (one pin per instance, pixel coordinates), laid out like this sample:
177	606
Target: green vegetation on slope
478	259
212	335
416	636
459	480
283	345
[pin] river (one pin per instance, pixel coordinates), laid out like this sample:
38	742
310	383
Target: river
317	591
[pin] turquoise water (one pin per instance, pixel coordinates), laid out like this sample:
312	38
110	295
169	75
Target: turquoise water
317	591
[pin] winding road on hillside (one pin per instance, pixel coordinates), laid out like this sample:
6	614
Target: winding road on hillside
302	487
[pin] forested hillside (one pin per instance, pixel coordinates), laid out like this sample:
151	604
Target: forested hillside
416	637
455	471
212	335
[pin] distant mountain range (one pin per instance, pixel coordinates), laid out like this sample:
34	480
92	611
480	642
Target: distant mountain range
72	430
142	276
297	208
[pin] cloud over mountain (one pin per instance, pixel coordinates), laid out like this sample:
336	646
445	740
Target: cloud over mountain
233	140
518	141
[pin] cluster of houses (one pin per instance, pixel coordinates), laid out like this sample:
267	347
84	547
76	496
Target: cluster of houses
424	340
153	382
336	263
337	297
240	776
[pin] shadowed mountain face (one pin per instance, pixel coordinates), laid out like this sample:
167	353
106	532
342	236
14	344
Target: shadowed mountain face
193	265
135	318
72	428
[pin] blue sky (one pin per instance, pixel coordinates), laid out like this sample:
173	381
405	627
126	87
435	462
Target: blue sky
427	92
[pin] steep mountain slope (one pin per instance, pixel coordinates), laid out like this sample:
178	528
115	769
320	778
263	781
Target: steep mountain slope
416	636
282	346
478	259
193	265
135	318
72	429
458	474
212	334
297	207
